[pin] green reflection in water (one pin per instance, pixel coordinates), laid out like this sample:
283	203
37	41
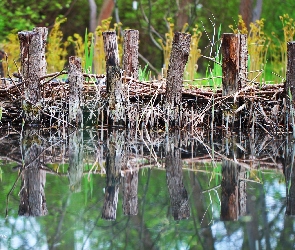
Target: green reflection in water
74	219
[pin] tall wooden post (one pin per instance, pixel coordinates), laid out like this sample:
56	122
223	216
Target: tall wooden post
130	53
116	109
290	85
234	70
174	177
33	66
178	59
76	80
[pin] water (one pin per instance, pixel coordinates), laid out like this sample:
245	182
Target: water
146	190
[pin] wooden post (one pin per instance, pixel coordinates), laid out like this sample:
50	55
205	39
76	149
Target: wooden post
290	85
76	167
76	80
234	70
174	177
116	109
32	193
33	66
178	59
130	53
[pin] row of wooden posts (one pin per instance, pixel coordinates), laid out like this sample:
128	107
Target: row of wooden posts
33	70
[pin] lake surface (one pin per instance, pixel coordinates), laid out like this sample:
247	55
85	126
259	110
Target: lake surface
99	189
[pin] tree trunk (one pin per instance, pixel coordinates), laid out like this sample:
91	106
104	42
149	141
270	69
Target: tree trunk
92	15
130	200
106	10
182	16
246	11
257	11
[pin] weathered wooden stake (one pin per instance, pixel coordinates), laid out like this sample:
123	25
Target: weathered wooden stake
178	59
76	80
234	70
290	85
116	109
33	66
130	53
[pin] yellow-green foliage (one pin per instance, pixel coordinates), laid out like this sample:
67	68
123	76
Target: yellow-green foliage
195	54
258	44
56	54
279	48
167	44
78	43
11	47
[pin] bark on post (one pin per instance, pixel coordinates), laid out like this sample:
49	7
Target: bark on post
75	171
178	59
76	80
33	66
116	109
174	176
130	53
130	200
114	159
234	70
32	193
290	85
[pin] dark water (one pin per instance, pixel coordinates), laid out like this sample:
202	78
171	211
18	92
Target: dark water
118	190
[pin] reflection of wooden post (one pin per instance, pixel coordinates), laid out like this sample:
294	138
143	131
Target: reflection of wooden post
114	160
177	191
75	171
234	69
32	193
178	59
233	185
289	172
130	53
116	109
76	80
130	184
33	66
